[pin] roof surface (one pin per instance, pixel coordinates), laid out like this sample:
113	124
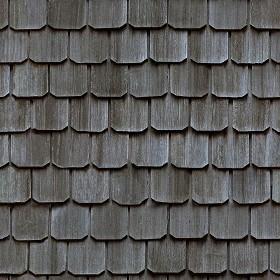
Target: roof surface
139	139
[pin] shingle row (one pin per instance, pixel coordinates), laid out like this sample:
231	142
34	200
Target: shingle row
188	149
31	14
187	79
129	45
132	186
127	256
148	221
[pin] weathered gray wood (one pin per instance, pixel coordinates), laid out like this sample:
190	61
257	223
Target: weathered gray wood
130	185
265	149
109	149
70	149
208	46
68	79
126	257
275	43
148	221
30	149
230	80
250	46
30	80
107	13
4	149
275	256
251	114
148	79
66	276
15	185
266	80
28	14
147	276
4	221
189	149
4	13
129	45
230	14
230	149
269	275
67	14
276	185
209	114
265	222
13	259
48	257
26	276
187	14
210	186
69	221
207	256
188	220
166	256
50	184
149	149
168	45
109	221
229	221
15	114
230	276
50	113
188	275
48	45
14	46
30	221
170	184
265	14
86	257
251	185
106	276
248	256
275	114
4	79
169	113
147	13
189	79
89	46
129	114
90	185
89	114
109	80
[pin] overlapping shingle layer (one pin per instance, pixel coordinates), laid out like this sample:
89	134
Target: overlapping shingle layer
139	139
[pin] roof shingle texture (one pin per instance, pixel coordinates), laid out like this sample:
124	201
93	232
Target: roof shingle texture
139	139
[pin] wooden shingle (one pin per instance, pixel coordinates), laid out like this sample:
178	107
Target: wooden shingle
107	14
67	14
148	221
189	149
48	257
116	225
230	14
28	14
50	184
147	13
126	257
208	46
187	14
86	257
48	45
166	256
168	45
30	221
130	185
